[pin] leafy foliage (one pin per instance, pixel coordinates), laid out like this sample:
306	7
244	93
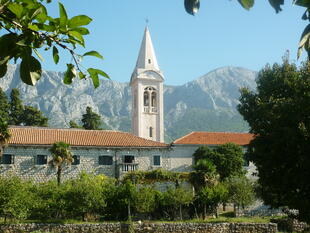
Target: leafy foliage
74	125
33	117
30	29
86	196
278	114
61	156
240	191
212	196
192	7
227	159
15	198
153	176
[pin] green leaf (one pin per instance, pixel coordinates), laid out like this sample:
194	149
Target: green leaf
304	41
79	20
36	13
102	73
304	3
82	75
3	69
93	53
30	70
55	55
94	77
69	74
276	4
33	27
63	18
191	6
77	36
42	16
81	30
246	4
17	9
38	54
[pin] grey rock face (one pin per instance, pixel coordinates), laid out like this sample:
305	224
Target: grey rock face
202	104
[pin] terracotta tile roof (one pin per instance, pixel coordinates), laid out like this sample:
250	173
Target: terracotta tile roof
78	137
215	138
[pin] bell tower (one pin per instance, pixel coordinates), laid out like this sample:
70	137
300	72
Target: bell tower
147	94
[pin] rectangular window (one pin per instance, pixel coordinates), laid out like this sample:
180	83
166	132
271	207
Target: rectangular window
151	132
105	160
41	160
76	160
129	159
7	159
156	160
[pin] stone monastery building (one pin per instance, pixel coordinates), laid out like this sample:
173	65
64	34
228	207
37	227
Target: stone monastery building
114	153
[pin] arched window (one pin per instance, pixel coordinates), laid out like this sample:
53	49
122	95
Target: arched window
153	99
146	99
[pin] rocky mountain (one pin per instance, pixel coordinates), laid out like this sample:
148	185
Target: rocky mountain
205	104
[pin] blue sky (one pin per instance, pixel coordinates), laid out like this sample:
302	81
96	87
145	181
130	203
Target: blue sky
187	47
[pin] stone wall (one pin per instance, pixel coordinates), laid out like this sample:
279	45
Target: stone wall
291	225
143	228
25	166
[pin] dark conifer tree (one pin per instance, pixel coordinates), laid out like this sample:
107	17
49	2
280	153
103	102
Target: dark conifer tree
16	108
91	120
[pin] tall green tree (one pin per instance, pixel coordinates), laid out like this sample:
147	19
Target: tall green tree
4	106
278	114
176	198
240	191
91	120
26	27
16	108
192	7
4	118
33	117
227	159
211	197
61	156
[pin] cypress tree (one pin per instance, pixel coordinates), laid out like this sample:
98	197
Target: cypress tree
16	108
91	120
4	106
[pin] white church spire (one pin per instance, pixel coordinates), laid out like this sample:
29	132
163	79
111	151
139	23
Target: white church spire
147	94
147	58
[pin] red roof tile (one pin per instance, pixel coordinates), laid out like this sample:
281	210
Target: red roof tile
215	138
78	137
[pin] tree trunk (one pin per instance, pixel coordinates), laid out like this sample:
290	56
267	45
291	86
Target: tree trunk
59	170
204	211
180	208
129	211
224	206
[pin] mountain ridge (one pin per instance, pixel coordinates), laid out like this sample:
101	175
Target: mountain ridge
207	103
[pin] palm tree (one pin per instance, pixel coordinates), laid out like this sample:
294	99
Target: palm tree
61	156
4	135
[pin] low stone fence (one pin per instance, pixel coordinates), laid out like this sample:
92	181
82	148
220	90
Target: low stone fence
291	225
142	228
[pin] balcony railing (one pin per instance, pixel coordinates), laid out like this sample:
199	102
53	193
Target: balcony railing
127	167
150	109
146	109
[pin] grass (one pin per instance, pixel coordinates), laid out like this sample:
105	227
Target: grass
223	217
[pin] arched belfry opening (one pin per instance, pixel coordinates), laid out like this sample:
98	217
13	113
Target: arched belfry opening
150	99
147	91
